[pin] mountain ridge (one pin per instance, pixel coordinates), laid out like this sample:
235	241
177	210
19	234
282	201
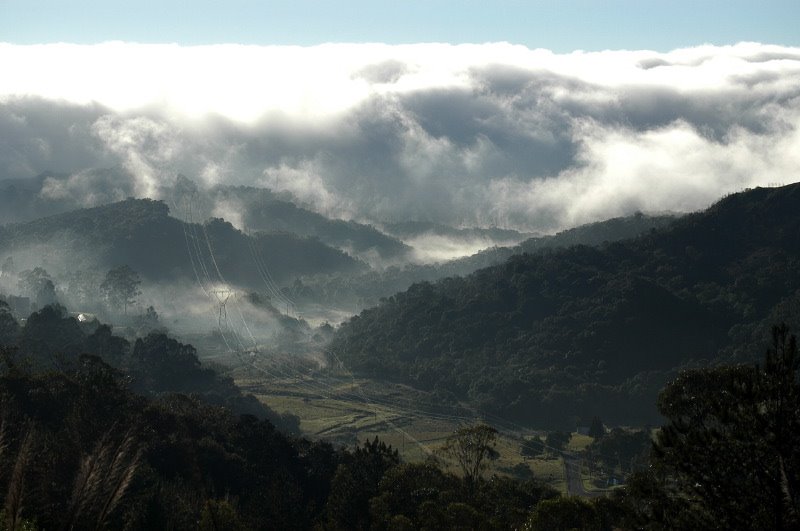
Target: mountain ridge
580	331
141	233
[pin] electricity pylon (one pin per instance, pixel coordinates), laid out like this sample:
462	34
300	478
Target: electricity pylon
222	296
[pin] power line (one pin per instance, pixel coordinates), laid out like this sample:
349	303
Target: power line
508	428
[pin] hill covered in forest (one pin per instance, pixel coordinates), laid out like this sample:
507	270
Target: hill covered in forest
367	288
250	207
141	233
262	210
562	335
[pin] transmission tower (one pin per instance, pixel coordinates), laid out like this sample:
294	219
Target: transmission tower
222	296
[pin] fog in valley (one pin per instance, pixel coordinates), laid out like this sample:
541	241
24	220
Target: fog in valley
409	286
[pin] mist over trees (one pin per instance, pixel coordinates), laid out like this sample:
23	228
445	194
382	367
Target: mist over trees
553	337
418	287
121	287
724	460
193	449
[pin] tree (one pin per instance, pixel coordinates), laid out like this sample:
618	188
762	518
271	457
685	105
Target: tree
121	287
414	490
597	430
729	457
82	288
556	441
356	482
161	364
562	513
9	328
628	449
532	447
51	336
471	447
37	284
8	267
148	321
219	515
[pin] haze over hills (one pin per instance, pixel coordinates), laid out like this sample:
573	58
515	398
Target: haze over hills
468	266
141	233
368	288
246	207
570	333
185	244
462	135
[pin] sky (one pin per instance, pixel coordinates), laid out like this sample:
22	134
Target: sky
514	114
558	25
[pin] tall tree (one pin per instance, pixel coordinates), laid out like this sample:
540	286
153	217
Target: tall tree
7	268
38	284
9	328
121	287
471	448
82	288
597	430
556	441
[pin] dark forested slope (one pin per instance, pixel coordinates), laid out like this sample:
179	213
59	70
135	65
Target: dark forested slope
367	288
80	450
142	234
261	209
557	336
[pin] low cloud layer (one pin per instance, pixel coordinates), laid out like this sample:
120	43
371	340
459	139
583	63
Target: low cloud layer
489	134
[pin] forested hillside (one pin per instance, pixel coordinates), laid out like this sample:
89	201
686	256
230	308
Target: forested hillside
97	432
141	233
554	337
366	289
259	209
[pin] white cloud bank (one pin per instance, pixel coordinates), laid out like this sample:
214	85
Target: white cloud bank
468	134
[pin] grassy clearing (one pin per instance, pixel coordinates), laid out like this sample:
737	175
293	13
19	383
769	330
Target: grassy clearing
578	442
348	411
551	471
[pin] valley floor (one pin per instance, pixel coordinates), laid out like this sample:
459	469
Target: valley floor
348	411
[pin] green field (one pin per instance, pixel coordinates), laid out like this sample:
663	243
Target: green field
347	411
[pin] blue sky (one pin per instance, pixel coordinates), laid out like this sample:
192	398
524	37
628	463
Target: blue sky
561	26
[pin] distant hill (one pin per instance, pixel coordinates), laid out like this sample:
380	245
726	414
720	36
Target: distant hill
142	234
256	209
369	287
597	233
561	335
262	210
411	229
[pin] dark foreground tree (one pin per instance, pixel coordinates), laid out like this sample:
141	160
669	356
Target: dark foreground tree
729	458
597	430
8	325
565	514
556	441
